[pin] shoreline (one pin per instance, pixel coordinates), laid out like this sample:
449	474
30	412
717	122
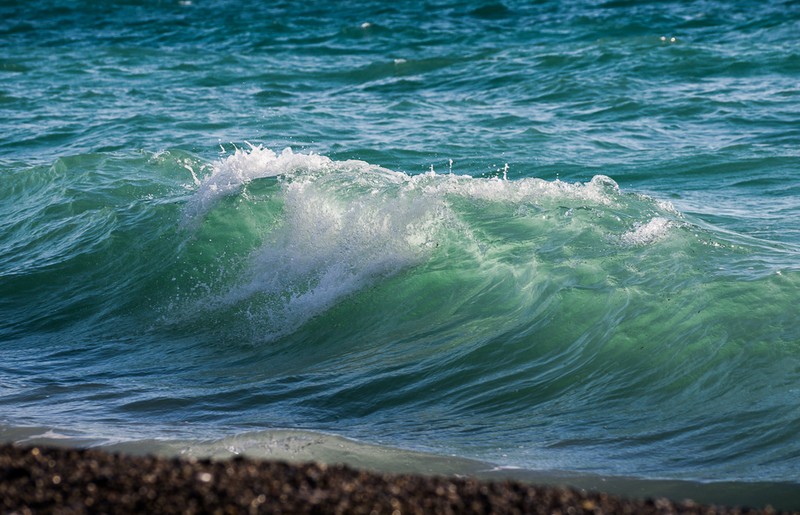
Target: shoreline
38	479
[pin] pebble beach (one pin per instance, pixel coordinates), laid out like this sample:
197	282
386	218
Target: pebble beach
53	480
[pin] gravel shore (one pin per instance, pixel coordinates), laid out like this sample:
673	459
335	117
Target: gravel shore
50	480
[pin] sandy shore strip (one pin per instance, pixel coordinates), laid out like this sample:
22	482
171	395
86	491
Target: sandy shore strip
54	480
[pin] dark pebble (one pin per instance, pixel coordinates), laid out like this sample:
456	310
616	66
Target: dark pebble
47	480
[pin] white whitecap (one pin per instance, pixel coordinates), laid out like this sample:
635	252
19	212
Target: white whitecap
643	234
230	174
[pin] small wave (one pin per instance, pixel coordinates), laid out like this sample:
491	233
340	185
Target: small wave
342	226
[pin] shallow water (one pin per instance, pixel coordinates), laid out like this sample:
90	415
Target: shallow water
554	239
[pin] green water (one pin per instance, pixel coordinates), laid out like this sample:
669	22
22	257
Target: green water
544	239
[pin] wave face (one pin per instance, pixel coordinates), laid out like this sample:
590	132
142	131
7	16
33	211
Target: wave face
529	323
550	236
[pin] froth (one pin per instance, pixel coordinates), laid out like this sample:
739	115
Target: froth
346	225
343	226
643	234
600	190
229	175
328	248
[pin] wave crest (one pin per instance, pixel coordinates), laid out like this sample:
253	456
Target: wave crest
342	226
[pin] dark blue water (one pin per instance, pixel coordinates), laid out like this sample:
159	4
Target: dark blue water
546	238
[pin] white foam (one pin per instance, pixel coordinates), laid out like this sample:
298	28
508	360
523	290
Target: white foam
600	190
229	175
346	224
643	234
328	249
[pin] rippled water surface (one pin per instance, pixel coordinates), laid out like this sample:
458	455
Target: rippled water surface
535	237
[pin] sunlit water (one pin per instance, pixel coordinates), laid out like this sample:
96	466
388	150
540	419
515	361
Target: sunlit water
560	239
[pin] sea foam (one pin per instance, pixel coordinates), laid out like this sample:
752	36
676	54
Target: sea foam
346	225
341	229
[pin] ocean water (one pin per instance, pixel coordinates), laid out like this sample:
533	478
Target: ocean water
549	240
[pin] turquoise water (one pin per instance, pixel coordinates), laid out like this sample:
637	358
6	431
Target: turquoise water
547	238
